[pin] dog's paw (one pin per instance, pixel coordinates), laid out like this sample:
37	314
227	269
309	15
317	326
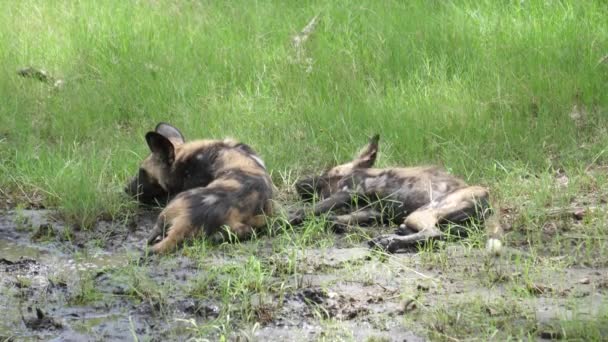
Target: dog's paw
338	228
216	239
335	226
296	218
156	236
403	230
384	242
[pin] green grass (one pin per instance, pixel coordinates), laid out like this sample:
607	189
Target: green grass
485	88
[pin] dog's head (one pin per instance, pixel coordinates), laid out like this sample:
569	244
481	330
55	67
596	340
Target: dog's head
151	183
174	165
326	184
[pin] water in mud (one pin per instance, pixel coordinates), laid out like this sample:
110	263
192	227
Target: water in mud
62	284
59	286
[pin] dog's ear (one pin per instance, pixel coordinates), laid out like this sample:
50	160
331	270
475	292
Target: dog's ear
367	156
170	133
161	146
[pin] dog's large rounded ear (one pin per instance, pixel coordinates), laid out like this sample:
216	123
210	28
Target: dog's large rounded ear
170	132
161	146
367	156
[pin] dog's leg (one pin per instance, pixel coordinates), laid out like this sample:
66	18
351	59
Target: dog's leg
423	221
342	223
237	229
181	229
257	221
160	229
338	200
464	205
472	204
458	206
392	243
241	230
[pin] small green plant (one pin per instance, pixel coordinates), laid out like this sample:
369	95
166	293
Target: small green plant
22	221
23	282
85	291
477	317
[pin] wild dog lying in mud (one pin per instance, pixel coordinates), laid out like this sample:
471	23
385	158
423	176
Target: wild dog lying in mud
212	183
423	198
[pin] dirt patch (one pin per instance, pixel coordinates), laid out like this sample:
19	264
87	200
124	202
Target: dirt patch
58	282
71	283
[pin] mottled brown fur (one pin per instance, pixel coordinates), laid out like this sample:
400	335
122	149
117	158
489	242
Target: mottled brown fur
211	184
421	198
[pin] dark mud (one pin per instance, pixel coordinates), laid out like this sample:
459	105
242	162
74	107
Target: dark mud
47	270
60	283
67	284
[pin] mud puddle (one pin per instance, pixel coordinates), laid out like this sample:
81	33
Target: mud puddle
55	285
65	284
87	286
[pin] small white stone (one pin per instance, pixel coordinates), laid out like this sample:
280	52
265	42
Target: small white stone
494	246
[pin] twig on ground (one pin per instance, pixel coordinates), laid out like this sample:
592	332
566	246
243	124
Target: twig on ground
408	269
298	42
576	212
299	39
583	237
41	75
376	284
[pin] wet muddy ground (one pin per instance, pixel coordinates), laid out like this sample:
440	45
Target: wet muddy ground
66	284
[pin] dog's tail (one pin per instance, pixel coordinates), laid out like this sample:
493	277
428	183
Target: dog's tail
489	213
494	232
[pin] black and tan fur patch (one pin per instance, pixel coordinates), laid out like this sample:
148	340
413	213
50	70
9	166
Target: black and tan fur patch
212	183
418	199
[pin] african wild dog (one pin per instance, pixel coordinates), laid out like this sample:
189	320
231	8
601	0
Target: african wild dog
210	184
423	198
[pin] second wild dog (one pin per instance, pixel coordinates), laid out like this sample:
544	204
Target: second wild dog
422	198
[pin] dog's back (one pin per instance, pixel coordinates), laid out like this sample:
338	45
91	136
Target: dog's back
411	187
238	194
421	197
